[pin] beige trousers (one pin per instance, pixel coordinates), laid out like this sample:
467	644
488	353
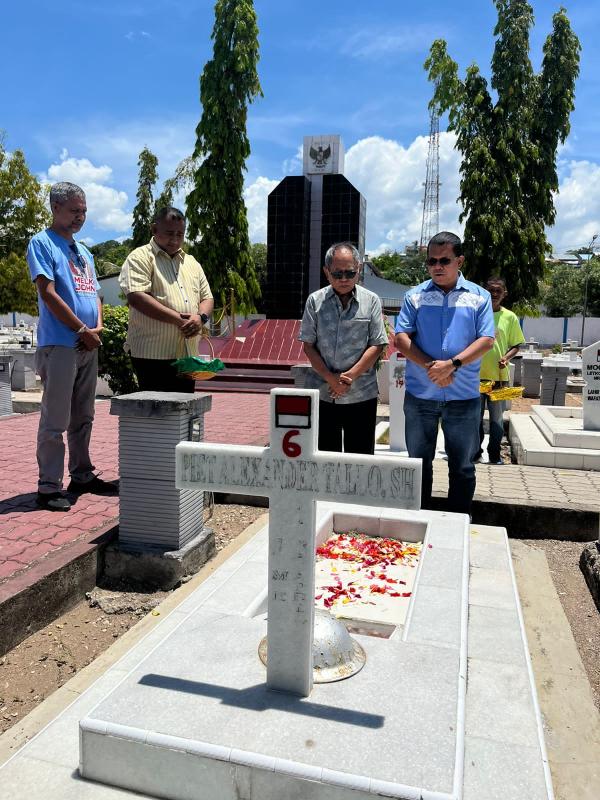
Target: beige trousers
69	380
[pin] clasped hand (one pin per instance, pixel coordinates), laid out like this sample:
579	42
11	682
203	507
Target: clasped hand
440	372
89	339
339	384
191	325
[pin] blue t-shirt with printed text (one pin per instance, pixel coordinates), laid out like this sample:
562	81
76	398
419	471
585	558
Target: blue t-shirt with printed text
442	325
71	266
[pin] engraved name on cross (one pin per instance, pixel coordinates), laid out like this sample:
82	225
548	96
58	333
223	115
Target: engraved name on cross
293	474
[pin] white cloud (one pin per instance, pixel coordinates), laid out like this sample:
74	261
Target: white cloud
379	42
255	197
78	170
132	35
577	206
106	205
391	177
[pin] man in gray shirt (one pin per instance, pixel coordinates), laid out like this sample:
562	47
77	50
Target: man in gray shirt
344	335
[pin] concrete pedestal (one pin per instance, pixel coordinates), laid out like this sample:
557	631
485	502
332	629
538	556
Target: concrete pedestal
23	370
5	393
554	383
161	528
531	374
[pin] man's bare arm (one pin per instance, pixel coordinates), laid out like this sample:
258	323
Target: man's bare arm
404	343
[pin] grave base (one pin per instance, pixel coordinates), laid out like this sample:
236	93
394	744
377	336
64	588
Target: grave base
193	718
156	568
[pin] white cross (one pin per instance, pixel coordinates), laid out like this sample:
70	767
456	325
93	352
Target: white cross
293	474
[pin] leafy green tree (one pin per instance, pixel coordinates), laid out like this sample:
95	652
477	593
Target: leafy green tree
17	292
113	362
23	213
508	144
216	213
23	210
182	179
406	268
259	261
591	271
562	294
143	211
111	254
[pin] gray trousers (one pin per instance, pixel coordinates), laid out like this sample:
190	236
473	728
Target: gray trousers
69	380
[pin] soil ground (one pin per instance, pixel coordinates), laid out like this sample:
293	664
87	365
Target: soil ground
46	660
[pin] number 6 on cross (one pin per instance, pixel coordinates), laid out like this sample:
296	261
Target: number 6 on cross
290	448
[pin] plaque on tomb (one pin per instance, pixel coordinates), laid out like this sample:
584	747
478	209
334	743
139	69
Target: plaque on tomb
591	391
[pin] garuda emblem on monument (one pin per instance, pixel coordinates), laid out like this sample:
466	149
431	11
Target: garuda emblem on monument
320	155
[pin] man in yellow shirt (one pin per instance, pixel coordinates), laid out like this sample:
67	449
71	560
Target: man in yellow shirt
169	301
494	364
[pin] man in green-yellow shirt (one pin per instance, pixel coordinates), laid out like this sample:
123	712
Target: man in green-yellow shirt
494	364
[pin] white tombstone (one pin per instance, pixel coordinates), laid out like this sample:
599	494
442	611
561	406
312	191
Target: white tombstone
397	372
590	372
293	474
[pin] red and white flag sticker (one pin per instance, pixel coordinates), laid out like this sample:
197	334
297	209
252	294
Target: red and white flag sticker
292	411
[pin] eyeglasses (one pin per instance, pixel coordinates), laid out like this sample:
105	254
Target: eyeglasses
344	273
443	261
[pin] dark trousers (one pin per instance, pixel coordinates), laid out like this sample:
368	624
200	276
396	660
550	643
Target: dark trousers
496	417
460	423
159	375
356	421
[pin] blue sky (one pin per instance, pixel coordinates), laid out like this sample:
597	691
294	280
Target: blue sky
85	85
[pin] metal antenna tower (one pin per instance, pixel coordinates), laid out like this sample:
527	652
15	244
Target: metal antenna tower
431	199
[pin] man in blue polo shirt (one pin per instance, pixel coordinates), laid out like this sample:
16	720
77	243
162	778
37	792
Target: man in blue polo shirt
67	355
444	328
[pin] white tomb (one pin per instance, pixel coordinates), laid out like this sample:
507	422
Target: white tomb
196	716
563	436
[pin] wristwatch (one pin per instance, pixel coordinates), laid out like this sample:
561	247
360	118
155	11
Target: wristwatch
456	363
204	318
81	330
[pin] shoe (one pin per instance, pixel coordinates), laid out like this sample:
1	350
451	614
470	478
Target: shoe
53	501
497	463
95	486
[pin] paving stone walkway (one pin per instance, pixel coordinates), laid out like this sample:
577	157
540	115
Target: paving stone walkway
28	535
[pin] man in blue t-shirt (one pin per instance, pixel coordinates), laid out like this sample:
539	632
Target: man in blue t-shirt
444	328
67	352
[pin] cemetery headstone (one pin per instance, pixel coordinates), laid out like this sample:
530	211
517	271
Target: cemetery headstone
397	393
591	391
293	474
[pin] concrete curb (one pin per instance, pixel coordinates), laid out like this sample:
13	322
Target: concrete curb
35	597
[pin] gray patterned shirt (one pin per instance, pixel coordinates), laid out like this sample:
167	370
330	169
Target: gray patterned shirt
341	335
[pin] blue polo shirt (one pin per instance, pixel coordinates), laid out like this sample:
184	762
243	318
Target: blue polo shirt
442	326
71	266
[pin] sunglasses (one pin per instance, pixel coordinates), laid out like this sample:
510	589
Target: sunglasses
344	273
443	262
